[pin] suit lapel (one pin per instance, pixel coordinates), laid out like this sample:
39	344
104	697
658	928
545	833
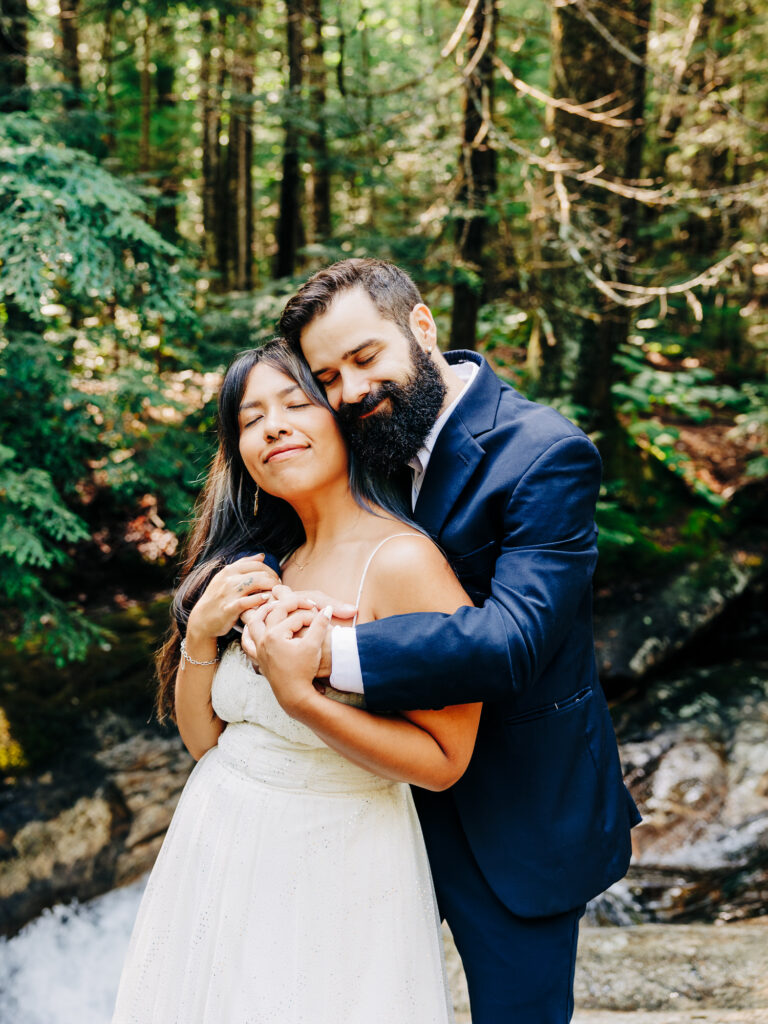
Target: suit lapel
457	453
452	463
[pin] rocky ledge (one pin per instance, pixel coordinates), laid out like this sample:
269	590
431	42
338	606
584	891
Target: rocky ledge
95	823
639	629
695	756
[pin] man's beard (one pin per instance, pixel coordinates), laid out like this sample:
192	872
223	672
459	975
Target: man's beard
389	439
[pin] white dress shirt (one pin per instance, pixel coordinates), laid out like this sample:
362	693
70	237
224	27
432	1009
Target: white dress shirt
346	673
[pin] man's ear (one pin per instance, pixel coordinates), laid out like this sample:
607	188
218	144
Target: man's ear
423	326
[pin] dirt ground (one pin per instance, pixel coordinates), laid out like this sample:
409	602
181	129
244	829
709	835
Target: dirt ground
661	974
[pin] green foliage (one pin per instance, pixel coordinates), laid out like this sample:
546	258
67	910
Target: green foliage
42	413
622	537
37	534
693	393
113	337
653	399
94	299
758	467
73	234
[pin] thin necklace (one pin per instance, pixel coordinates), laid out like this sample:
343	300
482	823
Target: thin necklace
301	566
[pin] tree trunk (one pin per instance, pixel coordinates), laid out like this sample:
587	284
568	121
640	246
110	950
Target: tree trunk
222	211
478	170
319	189
593	230
70	59
167	164
369	128
145	80
107	59
241	147
289	227
210	140
14	95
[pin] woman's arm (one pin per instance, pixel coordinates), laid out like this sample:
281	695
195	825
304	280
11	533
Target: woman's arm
430	749
199	725
233	590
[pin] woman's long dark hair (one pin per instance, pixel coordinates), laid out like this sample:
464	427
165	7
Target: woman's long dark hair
224	525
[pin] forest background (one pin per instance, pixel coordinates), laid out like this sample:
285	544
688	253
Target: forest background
577	186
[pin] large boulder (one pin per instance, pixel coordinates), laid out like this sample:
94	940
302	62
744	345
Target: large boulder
695	755
641	628
94	823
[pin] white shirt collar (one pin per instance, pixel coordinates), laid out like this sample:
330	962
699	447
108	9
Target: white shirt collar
466	371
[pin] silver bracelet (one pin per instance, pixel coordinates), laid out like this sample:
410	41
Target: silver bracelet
186	657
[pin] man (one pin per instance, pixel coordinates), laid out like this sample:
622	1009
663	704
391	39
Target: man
539	824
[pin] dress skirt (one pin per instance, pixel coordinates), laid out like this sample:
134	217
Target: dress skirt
292	888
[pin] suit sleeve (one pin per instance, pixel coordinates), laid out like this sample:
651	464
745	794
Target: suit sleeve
490	653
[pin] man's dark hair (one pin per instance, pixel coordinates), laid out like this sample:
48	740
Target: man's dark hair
390	289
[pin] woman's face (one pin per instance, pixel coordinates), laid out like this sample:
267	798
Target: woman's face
290	446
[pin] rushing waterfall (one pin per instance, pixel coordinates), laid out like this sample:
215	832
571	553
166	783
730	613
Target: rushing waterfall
65	965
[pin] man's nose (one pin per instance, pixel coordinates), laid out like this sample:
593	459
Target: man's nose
354	387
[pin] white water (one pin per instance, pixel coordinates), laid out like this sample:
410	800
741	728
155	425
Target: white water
64	967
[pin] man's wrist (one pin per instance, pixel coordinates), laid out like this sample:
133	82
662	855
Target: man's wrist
346	674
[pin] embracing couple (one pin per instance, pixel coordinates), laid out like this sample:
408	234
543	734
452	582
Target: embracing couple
451	523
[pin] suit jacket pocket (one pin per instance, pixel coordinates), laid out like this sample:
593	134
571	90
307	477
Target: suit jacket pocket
557	790
545	710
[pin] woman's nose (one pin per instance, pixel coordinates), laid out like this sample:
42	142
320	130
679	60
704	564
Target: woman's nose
275	425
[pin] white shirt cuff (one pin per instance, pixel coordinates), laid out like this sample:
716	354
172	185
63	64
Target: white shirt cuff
346	673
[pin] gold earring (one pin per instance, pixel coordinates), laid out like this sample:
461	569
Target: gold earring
256	503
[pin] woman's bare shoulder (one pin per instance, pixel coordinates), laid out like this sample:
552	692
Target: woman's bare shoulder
408	573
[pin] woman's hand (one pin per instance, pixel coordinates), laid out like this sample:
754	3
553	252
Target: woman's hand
287	648
284	601
246	583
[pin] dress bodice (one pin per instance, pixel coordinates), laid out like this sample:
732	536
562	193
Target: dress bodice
263	743
239	694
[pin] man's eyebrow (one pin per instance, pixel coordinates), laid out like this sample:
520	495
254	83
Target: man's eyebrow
257	402
346	355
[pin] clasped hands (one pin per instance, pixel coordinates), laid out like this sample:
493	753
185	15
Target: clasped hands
288	638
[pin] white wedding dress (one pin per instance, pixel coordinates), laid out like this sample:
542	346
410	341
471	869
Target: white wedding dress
292	887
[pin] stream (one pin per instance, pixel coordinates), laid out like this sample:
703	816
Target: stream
64	966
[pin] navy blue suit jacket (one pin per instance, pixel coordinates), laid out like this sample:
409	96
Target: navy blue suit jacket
509	495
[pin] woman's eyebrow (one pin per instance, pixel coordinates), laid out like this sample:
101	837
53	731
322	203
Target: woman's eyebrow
258	402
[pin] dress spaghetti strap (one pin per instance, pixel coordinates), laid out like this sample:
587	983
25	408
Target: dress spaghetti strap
370	559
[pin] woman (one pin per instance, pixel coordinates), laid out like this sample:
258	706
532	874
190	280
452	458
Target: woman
293	884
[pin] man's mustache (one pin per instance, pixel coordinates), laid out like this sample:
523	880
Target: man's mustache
349	412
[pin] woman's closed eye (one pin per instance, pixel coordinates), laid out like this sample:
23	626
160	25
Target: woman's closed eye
259	417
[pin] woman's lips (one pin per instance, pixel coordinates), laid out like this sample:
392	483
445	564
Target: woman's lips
286	453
